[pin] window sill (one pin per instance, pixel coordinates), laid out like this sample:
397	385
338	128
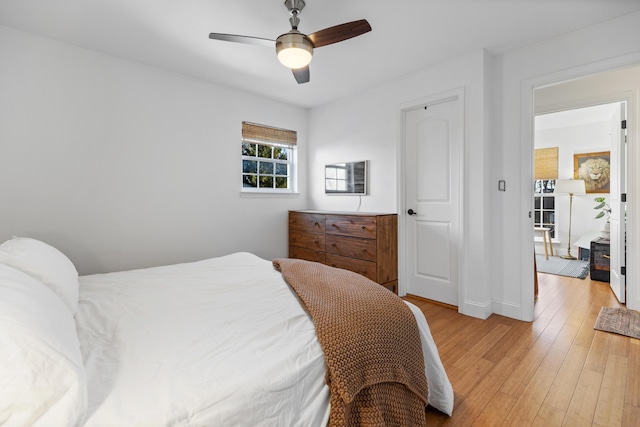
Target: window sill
268	194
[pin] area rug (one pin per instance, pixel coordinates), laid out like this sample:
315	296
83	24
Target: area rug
562	267
619	321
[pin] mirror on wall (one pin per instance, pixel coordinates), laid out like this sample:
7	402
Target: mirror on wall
347	178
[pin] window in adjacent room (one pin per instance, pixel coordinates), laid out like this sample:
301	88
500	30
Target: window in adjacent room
268	158
545	174
544	207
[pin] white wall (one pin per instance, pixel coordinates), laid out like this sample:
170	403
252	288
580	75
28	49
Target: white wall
588	138
577	54
497	265
368	127
121	165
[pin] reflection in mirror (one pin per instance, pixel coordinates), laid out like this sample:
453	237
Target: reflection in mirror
346	178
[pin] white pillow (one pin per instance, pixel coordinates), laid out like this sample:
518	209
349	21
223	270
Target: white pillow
42	376
44	263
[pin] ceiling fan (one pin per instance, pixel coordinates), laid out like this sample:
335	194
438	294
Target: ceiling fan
295	49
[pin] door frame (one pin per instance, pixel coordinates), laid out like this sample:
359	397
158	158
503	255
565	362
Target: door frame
402	109
610	98
527	115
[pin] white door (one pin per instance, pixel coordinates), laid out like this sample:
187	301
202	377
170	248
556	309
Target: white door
617	220
433	143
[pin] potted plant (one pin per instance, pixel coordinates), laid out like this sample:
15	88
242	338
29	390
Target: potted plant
605	211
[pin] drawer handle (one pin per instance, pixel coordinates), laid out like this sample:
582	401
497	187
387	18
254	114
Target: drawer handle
334	245
334	225
364	228
606	256
316	223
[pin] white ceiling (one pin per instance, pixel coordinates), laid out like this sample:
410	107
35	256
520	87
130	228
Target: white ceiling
407	35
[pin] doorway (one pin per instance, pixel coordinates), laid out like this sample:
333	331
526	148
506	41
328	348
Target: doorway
595	133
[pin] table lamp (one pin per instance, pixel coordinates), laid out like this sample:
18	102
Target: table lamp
571	187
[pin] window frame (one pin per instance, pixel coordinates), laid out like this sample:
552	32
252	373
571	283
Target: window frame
541	210
274	138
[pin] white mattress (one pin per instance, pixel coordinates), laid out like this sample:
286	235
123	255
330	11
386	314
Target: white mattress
217	342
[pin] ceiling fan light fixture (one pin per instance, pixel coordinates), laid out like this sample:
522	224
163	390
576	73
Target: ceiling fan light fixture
294	50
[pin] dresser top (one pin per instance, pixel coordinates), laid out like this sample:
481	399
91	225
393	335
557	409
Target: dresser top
319	212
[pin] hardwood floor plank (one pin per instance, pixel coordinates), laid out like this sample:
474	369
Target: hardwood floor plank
610	406
556	370
522	374
560	348
599	352
496	410
584	400
565	382
632	395
528	404
549	416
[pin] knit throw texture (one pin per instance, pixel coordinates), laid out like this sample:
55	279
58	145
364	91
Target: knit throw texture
371	344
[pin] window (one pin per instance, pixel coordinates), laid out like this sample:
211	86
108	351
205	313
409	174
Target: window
544	205
268	158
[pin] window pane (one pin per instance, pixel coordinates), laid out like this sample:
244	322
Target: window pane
248	149
249	181
264	151
249	166
536	203
266	168
266	181
282	169
280	153
549	203
537	217
282	182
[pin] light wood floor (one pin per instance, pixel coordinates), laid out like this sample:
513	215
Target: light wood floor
554	371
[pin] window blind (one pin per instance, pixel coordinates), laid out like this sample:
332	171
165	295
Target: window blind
545	163
253	132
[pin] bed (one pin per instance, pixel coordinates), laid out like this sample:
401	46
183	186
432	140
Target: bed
217	342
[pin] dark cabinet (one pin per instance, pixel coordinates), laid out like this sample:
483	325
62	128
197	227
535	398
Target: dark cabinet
599	259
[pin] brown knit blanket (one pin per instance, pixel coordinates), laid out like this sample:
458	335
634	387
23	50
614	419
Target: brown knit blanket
371	344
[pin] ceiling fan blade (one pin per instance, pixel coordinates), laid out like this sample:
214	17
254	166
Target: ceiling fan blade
301	74
242	39
339	33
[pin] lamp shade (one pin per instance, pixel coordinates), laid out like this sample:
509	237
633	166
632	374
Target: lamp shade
570	186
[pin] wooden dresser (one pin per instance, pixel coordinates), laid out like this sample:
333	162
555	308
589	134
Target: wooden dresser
366	243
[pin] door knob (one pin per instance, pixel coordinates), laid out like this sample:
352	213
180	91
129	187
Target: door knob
412	212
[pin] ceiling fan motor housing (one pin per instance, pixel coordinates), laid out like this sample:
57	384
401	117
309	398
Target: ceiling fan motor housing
294	49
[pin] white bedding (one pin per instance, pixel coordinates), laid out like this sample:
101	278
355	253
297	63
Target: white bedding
218	342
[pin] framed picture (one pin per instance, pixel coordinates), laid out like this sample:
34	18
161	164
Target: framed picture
594	169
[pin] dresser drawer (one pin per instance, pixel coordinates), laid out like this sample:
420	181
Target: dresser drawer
306	254
308	222
351	247
366	268
306	240
355	226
